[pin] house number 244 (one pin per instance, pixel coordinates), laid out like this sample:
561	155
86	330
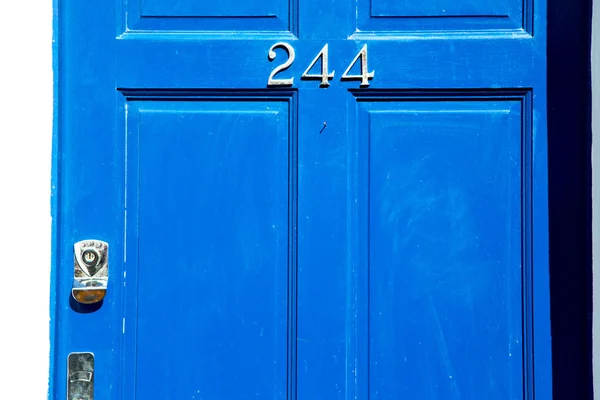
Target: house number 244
325	76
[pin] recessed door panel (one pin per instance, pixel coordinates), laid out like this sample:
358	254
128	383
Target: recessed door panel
193	16
207	235
443	193
443	16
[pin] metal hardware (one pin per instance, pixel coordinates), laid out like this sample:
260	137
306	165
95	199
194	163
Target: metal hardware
365	75
324	76
80	376
90	275
291	56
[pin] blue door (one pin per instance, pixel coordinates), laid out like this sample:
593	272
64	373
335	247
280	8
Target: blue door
303	199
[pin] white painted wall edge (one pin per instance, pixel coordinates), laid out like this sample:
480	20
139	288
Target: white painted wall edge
25	222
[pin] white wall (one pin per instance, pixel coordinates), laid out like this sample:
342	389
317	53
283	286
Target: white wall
25	170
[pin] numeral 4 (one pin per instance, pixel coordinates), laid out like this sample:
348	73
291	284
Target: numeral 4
364	74
324	76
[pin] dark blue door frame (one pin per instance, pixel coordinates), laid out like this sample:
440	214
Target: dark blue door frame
569	142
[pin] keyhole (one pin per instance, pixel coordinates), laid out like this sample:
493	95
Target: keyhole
90	257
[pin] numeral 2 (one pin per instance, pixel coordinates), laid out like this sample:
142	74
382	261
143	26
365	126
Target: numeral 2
282	67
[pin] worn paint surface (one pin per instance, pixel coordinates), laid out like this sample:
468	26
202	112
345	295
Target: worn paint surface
306	242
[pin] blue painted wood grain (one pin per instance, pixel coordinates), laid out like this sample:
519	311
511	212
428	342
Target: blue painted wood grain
306	243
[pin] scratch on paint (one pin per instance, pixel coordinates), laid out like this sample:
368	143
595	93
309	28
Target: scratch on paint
443	348
126	188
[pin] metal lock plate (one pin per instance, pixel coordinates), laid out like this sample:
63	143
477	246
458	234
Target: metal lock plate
80	376
90	275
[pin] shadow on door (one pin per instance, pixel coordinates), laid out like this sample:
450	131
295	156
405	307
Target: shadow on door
569	121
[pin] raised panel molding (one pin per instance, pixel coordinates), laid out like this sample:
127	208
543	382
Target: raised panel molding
194	125
230	18
472	17
415	158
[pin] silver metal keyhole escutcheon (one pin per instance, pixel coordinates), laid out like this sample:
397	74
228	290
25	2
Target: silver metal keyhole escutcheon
90	271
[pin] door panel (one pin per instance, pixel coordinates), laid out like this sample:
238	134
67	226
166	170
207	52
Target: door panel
189	15
210	225
442	16
305	242
444	247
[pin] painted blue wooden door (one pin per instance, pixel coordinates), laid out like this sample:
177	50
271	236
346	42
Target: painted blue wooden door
305	241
